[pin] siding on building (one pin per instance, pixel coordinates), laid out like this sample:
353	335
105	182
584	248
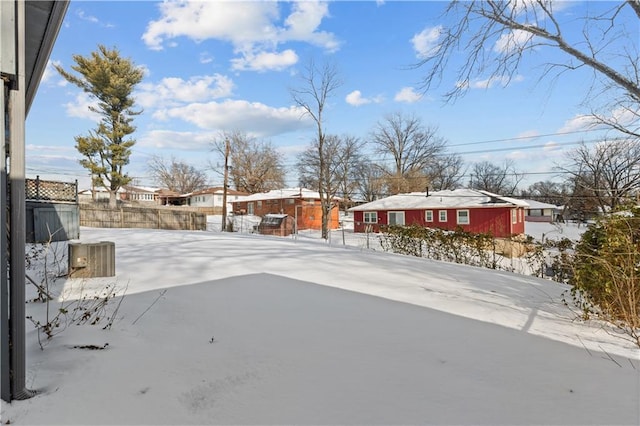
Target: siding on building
298	203
486	213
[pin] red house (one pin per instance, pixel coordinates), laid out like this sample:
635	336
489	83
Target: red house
472	210
301	204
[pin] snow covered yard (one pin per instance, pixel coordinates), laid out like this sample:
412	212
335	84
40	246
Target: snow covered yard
245	329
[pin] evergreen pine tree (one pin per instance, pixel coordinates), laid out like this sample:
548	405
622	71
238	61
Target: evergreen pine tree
111	79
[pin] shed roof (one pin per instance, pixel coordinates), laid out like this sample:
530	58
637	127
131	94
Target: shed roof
276	215
458	198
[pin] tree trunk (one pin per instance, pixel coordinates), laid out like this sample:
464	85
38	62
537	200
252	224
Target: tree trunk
113	202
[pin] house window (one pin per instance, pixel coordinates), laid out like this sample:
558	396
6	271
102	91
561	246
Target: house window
463	217
428	215
259	204
442	216
514	216
290	200
250	208
370	217
395	218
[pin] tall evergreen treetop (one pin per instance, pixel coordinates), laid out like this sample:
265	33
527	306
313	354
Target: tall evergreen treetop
111	79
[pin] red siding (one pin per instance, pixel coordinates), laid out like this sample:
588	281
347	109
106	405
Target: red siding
309	213
487	220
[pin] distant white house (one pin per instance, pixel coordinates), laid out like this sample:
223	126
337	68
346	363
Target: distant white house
212	198
96	194
541	212
142	194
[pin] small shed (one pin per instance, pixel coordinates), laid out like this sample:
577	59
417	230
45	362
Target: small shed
277	224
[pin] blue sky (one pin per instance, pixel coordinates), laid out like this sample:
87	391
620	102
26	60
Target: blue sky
215	66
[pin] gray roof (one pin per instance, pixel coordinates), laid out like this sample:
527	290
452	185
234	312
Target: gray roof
458	198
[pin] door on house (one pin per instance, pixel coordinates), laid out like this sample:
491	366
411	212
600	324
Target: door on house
395	218
250	208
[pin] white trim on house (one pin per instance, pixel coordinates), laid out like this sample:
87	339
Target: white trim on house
428	216
398	218
465	220
370	217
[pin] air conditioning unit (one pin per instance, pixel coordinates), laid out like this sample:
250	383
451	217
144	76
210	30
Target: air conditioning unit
89	260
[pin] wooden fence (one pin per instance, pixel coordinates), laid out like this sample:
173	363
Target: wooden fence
97	216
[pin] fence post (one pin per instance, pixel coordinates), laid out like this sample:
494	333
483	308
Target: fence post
37	187
159	221
121	217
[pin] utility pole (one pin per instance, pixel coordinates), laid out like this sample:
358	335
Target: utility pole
225	184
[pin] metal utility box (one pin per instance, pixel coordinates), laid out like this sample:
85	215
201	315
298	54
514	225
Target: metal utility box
89	260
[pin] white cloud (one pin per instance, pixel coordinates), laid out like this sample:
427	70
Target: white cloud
205	58
355	98
517	155
528	134
169	139
231	115
80	14
303	22
79	107
172	91
622	116
42	148
407	94
251	27
236	22
577	123
265	61
495	81
146	72
426	43
551	146
626	116
50	73
512	41
90	18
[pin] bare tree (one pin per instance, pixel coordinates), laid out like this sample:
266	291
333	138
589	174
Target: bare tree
411	148
496	35
348	159
370	180
498	179
318	85
340	159
446	172
176	175
256	166
609	172
547	191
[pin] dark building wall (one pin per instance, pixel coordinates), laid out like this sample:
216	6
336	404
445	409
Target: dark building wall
52	222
